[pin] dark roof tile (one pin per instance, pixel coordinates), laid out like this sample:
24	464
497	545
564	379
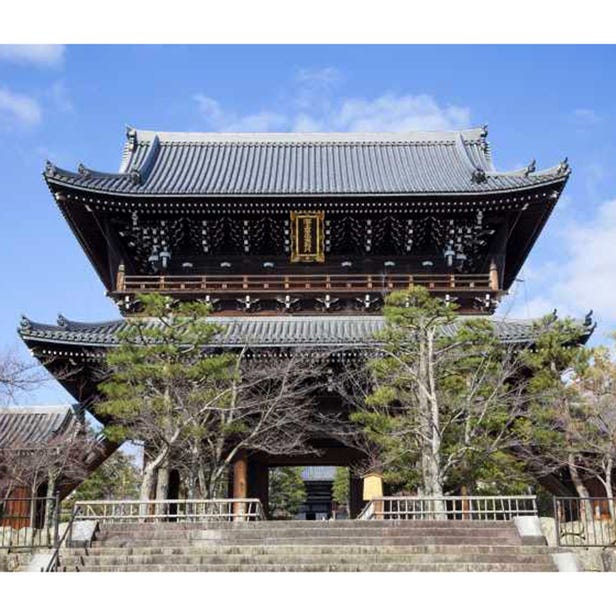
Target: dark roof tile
202	164
33	426
278	331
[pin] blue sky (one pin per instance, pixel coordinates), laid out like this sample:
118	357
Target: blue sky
70	104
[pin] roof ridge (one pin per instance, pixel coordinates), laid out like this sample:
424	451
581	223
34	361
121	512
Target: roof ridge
47	409
143	136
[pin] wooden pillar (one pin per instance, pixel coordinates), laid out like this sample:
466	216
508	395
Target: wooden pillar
355	496
173	492
240	483
258	484
230	482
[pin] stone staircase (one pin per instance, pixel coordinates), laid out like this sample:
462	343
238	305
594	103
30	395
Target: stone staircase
349	545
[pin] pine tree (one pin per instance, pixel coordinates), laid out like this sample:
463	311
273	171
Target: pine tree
444	392
287	492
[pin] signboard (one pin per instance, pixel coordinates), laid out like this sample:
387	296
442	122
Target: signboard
307	237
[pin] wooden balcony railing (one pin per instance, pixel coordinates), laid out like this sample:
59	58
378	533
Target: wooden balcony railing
303	283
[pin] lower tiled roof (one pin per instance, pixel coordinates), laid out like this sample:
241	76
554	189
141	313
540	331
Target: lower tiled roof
34	426
267	331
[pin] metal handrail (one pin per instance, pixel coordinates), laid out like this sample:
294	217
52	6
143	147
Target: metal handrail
449	507
53	562
585	522
229	509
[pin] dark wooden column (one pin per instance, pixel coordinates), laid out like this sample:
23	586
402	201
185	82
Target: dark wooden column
355	496
258	483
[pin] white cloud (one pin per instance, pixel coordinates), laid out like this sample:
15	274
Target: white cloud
589	272
59	96
584	276
327	75
585	117
209	108
312	107
36	55
221	120
263	122
18	110
394	113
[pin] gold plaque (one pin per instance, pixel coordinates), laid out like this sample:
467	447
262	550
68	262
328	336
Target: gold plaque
307	243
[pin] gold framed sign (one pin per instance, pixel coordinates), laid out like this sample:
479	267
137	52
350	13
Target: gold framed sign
307	243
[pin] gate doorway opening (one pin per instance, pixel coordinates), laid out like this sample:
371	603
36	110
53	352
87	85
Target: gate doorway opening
309	492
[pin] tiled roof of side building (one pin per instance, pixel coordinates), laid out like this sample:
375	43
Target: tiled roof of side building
204	164
278	331
34	426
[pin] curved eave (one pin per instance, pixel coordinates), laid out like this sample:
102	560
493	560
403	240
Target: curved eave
340	332
83	345
543	180
93	244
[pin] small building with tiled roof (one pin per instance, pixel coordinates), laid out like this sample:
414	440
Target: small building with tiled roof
33	427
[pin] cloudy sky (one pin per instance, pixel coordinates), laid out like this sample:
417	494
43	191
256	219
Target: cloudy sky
70	105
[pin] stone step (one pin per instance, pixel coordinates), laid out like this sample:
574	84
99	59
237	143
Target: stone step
245	537
330	540
350	545
400	566
285	549
317	559
170	530
320	532
301	524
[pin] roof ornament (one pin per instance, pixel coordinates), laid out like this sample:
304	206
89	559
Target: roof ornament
485	145
532	167
478	176
25	323
564	167
62	321
131	136
135	176
588	319
83	170
50	168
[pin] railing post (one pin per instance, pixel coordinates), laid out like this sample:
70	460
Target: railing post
465	508
56	523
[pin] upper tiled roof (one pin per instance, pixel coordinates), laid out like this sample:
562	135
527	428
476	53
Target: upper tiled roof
278	331
319	473
202	164
34	426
